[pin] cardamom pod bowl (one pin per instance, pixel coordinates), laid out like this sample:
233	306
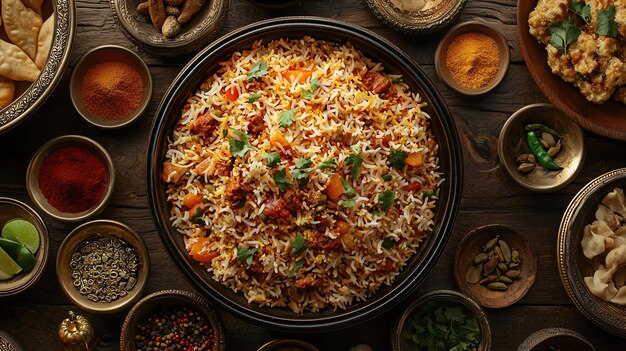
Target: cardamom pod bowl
81	234
12	208
162	298
398	342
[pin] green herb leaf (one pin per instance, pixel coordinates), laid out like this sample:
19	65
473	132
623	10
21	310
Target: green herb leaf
298	245
387	244
257	70
396	160
241	145
563	34
355	161
308	93
315	83
605	22
385	200
303	163
347	202
246	255
376	213
299	174
386	177
582	9
347	188
273	159
254	97
328	164
197	217
428	193
280	179
286	118
296	267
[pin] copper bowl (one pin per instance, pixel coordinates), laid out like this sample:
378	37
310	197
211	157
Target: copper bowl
373	46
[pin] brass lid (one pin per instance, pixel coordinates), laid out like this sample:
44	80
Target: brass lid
416	16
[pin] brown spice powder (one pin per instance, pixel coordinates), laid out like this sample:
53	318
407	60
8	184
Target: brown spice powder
473	59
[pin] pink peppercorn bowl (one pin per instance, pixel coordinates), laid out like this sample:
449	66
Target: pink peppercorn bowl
33	170
161	298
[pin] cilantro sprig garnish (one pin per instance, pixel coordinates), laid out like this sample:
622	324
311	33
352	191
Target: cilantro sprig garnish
246	255
308	93
347	202
563	34
385	200
254	97
355	161
286	118
273	159
296	267
582	9
303	168
396	160
298	245
239	145
257	70
328	164
605	22
280	179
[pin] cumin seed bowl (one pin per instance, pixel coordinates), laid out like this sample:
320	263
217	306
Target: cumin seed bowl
398	342
373	46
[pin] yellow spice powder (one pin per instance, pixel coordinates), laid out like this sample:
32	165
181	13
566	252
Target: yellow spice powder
473	59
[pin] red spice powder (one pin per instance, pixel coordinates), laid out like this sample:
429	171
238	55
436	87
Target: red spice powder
72	179
112	90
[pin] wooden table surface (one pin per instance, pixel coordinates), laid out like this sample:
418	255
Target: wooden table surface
489	195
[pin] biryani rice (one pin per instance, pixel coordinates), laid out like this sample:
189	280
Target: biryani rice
340	119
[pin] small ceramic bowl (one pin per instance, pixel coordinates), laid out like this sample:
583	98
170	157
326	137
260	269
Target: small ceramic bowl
9	209
90	230
512	143
287	344
108	53
472	27
170	298
555	339
416	17
32	177
472	244
398	343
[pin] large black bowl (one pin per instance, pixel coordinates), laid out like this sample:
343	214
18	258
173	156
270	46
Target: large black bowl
373	46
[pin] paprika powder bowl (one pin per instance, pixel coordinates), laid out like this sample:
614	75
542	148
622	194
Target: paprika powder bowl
9	209
32	177
102	54
87	231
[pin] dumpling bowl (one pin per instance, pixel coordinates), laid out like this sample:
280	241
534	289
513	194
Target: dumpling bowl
591	251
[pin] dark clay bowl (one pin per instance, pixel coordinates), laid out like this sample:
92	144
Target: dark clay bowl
574	266
374	47
557	338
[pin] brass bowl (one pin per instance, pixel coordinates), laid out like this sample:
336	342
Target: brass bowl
11	208
432	16
512	143
473	26
557	338
172	298
574	266
473	243
86	231
287	344
29	97
397	341
32	177
8	342
107	53
196	34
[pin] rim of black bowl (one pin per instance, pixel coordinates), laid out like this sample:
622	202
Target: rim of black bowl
417	268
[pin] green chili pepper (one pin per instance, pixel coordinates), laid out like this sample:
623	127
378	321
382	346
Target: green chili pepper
543	128
534	144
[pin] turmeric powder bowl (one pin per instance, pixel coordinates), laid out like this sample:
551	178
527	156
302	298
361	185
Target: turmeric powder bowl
472	58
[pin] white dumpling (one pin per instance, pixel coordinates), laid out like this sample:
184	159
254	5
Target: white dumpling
618	240
601	284
594	244
620	297
621	231
615	201
616	258
605	214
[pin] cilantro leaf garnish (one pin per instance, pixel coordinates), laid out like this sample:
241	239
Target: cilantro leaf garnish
296	267
254	97
308	93
286	118
300	174
387	244
347	188
257	70
563	34
396	160
355	161
303	163
315	83
246	255
605	22
385	200
298	245
272	159
582	9
386	177
347	202
240	145
280	179
328	164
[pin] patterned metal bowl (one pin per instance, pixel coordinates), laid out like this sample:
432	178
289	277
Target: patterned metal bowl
52	71
574	266
417	17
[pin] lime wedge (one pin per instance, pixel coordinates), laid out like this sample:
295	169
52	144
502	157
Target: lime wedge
8	267
22	231
19	253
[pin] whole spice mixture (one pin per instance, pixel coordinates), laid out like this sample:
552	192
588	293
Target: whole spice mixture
72	179
441	326
112	90
497	266
174	328
544	144
473	60
104	268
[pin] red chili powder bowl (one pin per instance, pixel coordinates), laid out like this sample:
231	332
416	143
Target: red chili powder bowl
73	179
